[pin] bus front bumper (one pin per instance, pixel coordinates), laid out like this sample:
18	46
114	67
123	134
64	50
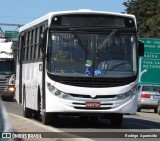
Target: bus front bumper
127	106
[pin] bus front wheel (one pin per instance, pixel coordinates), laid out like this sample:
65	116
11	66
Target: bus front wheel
116	120
46	119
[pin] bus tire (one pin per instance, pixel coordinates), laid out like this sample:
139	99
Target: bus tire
36	115
116	120
49	118
26	111
46	118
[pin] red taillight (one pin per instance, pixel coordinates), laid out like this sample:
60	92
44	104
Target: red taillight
145	96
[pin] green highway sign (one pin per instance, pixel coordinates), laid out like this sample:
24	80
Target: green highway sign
11	34
149	65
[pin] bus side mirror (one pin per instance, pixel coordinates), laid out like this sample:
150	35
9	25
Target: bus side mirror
140	48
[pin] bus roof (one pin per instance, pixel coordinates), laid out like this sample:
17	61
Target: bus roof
81	11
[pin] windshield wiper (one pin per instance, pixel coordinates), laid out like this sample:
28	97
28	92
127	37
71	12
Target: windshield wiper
106	40
79	40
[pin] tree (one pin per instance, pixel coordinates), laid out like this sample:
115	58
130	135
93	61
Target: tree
147	13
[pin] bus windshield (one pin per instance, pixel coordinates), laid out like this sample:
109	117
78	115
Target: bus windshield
92	54
6	67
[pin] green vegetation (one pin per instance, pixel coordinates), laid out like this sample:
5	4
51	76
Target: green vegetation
147	13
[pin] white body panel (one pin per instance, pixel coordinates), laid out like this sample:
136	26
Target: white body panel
31	80
56	104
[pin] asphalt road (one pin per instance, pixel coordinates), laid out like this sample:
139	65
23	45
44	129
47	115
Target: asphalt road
145	121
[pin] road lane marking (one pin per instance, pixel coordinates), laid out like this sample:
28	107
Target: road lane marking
52	129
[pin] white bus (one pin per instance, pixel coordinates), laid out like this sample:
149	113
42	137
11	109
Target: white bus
82	63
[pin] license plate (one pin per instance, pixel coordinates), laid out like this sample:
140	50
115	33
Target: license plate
93	104
156	97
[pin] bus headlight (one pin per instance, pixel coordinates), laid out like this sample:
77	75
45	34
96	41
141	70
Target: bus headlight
51	89
128	94
67	96
58	93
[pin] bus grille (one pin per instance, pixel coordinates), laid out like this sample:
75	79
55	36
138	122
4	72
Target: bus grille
89	97
80	102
